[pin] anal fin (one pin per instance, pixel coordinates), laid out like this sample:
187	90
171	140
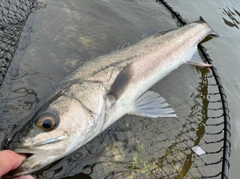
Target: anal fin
151	104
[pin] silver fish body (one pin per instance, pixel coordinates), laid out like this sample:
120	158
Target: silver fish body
103	90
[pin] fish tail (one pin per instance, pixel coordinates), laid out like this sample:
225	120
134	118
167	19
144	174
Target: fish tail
212	32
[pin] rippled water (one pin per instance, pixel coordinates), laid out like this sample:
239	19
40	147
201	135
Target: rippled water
59	38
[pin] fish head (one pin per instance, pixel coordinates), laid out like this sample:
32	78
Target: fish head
60	126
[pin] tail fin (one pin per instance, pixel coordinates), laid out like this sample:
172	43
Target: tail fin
213	33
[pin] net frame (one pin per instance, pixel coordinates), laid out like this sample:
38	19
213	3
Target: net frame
227	127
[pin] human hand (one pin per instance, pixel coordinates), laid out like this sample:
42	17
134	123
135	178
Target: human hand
10	160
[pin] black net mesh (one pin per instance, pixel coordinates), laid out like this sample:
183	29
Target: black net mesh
221	121
13	16
137	147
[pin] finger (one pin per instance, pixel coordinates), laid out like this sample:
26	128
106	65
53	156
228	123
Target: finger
25	177
9	161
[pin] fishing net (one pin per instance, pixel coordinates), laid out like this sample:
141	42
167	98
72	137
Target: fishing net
223	119
195	145
13	16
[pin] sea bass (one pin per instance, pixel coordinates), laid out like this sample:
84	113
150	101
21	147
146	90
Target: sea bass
103	90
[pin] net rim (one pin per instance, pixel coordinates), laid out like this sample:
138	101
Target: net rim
227	127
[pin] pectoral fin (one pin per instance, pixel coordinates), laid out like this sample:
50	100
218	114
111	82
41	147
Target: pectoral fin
151	104
197	60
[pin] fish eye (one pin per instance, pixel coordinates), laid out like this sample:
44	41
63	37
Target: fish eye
46	122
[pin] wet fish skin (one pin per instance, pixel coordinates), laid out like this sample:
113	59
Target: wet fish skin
105	89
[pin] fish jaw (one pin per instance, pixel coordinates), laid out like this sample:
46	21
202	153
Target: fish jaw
40	155
31	164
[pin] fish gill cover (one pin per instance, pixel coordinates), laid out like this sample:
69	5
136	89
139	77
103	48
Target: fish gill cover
196	145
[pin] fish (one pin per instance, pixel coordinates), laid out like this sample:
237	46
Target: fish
103	90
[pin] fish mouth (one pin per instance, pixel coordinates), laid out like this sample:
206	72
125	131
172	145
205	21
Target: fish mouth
35	160
37	157
36	149
32	163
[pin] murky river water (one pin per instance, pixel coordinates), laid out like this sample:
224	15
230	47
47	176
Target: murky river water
62	36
